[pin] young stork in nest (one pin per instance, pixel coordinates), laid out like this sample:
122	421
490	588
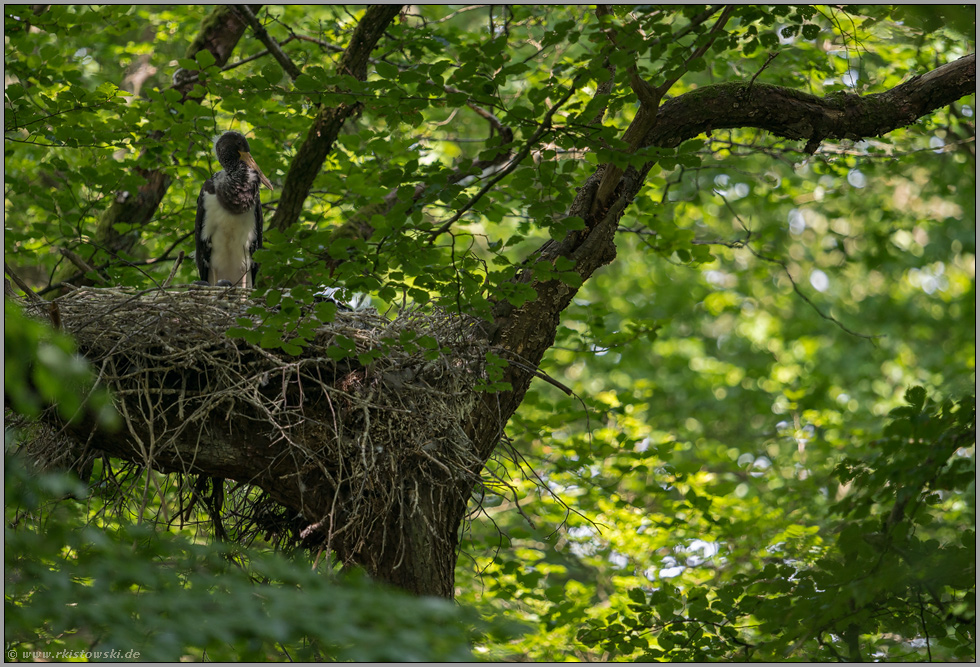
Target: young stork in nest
228	228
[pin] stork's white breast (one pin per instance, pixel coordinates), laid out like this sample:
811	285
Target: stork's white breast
230	235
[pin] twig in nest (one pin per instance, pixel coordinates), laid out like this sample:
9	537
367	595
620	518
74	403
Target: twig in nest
173	271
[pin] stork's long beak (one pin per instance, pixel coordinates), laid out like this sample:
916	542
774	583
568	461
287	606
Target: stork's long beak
250	161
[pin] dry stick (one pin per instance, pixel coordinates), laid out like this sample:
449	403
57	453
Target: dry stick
313	40
517	501
536	372
521	461
20	283
480	111
67	282
772	56
193	78
468	8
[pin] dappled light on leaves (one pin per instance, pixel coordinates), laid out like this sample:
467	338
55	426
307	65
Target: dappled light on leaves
650	333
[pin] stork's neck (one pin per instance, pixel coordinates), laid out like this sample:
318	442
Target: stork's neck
237	188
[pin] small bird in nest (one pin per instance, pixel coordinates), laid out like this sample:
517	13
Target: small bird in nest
228	228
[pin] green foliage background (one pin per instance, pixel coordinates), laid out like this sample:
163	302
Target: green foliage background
782	353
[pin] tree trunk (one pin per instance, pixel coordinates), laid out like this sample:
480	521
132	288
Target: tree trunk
420	557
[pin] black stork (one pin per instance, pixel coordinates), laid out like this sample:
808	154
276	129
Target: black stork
228	228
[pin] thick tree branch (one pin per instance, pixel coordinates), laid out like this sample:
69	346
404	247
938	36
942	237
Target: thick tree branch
646	93
328	122
28	292
82	265
795	115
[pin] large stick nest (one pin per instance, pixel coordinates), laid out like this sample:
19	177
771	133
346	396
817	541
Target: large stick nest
377	430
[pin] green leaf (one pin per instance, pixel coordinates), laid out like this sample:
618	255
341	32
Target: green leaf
915	397
386	70
272	73
204	58
306	83
427	342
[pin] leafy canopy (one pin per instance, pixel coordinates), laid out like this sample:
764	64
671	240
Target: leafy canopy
769	451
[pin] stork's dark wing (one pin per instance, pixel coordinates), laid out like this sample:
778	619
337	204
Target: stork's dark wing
202	246
257	241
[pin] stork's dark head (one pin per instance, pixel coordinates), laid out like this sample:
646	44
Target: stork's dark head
233	154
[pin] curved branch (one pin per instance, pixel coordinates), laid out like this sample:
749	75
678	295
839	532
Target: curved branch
795	115
646	117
